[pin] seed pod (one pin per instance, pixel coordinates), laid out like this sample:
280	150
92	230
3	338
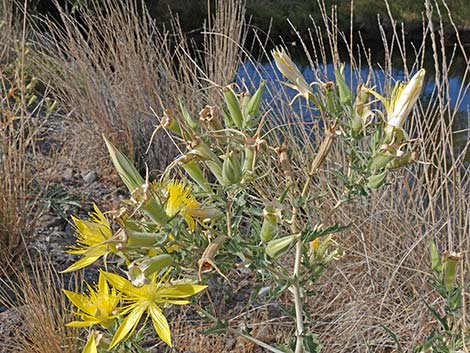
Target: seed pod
345	95
195	173
249	161
216	170
211	117
376	181
277	247
233	107
403	160
231	169
450	260
187	117
136	184
170	123
202	150
269	226
436	264
380	161
140	270
254	103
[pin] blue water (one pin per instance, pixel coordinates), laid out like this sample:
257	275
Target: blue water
251	74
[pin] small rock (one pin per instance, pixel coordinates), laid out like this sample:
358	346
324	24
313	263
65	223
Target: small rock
49	221
230	344
67	175
90	177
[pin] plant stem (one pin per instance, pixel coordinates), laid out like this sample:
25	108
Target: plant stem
323	151
299	319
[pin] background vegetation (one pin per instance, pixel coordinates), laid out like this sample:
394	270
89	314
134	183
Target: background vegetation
113	72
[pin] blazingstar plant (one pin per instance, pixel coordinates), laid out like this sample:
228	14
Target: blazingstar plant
233	200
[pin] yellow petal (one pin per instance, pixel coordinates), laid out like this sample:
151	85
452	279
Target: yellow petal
127	326
180	290
82	323
77	299
122	284
84	262
102	284
90	346
160	324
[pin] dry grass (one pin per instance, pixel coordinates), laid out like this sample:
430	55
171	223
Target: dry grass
36	301
115	72
19	115
382	278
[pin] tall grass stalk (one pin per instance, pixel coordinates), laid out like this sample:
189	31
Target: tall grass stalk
35	297
382	280
114	70
18	109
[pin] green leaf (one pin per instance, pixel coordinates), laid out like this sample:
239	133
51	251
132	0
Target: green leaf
311	234
220	327
441	320
311	344
394	337
436	263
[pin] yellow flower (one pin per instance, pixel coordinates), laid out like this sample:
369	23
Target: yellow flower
401	102
288	68
93	240
149	299
181	201
98	307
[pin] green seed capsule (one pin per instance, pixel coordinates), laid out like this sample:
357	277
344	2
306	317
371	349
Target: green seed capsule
233	107
231	169
252	108
269	227
377	180
277	247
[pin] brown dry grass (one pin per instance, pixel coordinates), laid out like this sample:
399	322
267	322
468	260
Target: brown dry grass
35	298
115	72
382	278
18	127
